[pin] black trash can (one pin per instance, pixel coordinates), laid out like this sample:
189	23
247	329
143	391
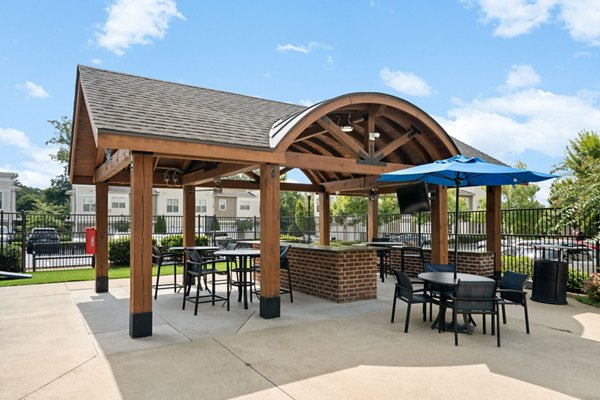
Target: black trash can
550	281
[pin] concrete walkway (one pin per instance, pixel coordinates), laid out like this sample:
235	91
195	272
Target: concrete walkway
64	341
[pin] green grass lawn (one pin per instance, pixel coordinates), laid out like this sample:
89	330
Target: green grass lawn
74	275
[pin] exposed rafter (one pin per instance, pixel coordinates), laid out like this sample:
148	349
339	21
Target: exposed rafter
349	143
119	160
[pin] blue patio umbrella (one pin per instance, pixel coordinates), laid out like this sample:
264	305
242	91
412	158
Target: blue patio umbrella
461	171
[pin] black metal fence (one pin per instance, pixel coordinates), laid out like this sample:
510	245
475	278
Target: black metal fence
522	230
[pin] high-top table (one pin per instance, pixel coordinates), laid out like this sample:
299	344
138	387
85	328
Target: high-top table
244	267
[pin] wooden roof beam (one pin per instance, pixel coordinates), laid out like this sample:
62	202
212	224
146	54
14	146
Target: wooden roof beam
397	143
337	164
366	182
352	145
119	160
249	185
223	169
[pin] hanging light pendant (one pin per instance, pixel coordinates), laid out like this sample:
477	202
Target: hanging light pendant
347	127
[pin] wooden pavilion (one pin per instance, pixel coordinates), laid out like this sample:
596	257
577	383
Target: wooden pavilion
130	130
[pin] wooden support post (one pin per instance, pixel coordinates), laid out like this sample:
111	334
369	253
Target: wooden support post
372	218
324	216
140	305
270	301
101	262
493	224
439	226
189	211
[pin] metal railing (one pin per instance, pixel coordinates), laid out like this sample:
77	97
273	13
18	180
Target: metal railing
522	230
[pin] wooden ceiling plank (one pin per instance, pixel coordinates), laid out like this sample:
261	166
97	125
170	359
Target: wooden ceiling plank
119	160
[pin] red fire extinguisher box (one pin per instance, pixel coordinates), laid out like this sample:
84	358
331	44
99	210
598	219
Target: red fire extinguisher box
90	240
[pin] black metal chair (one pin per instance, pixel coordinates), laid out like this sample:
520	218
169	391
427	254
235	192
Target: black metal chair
510	291
284	264
405	292
161	259
198	268
475	298
383	255
227	260
434	290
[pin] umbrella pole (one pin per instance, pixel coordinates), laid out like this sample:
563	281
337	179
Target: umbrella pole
456	229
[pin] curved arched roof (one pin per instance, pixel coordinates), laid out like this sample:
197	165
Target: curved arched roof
206	134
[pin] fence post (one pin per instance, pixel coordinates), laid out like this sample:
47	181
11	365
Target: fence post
254	227
23	240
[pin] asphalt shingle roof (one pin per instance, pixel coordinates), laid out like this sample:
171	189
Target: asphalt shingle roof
143	106
137	105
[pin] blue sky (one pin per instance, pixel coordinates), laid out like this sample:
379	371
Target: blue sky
516	79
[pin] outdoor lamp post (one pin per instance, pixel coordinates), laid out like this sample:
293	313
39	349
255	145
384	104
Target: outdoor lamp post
309	225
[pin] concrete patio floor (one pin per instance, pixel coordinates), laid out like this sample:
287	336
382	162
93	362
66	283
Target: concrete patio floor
64	341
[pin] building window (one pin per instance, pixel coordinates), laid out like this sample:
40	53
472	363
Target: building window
201	206
172	205
222	205
244	205
117	202
89	204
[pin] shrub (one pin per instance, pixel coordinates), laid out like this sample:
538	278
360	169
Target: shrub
161	225
592	287
289	238
177	240
118	251
10	258
522	265
576	279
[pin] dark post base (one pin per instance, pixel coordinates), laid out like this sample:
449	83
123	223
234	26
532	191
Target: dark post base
101	284
140	325
270	307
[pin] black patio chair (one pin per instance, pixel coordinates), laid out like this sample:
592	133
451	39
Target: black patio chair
510	291
405	292
198	268
284	264
434	290
161	258
475	298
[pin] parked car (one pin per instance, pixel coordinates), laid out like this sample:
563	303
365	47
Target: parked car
5	235
42	235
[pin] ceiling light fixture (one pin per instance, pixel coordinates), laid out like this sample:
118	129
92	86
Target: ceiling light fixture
347	127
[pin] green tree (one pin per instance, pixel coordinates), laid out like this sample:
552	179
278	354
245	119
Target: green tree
300	213
577	193
348	210
161	224
388	208
57	192
520	196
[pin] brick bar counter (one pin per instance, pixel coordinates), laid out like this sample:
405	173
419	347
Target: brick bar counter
470	262
339	274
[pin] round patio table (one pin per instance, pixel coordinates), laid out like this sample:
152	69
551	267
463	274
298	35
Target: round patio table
446	281
244	260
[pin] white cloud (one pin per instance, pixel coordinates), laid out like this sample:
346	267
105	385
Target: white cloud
582	54
306	102
582	20
507	125
34	90
518	17
286	48
522	76
96	61
266	75
38	168
132	22
405	82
